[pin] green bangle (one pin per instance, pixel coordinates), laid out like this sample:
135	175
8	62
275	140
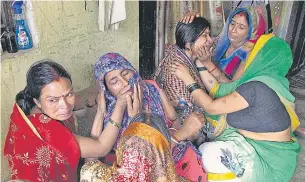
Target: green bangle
115	123
202	68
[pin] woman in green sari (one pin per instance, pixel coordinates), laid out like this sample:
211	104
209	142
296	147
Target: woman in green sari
254	115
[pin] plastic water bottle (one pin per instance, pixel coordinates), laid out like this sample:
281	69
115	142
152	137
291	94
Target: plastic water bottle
10	41
23	35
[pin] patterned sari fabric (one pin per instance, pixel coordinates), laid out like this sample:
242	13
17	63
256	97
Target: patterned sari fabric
233	157
257	26
39	148
174	88
143	154
151	99
177	91
186	156
243	159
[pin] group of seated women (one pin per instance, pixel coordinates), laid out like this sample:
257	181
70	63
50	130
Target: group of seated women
208	115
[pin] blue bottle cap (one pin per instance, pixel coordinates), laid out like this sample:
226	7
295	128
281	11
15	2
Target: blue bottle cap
18	11
17	6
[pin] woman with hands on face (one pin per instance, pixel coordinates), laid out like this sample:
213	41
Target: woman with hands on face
236	41
115	76
120	81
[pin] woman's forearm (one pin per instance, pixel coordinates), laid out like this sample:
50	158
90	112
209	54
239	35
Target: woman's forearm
111	131
223	105
181	135
170	111
178	136
208	80
216	73
200	97
101	146
97	126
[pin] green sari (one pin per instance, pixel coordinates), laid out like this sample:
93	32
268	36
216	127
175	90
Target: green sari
268	62
247	159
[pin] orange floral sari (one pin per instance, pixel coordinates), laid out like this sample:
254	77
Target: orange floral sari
143	154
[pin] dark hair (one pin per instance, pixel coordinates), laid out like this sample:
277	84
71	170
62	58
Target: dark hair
154	121
188	33
40	74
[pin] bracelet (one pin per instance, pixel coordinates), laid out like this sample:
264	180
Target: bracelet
212	69
174	119
202	68
174	140
193	87
172	129
115	123
190	85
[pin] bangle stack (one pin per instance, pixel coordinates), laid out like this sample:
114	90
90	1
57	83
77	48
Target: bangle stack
115	123
192	87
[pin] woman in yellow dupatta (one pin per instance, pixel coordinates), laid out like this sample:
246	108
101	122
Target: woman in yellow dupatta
244	27
255	120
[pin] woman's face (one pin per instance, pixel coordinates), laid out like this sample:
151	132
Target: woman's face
57	99
203	40
238	29
116	80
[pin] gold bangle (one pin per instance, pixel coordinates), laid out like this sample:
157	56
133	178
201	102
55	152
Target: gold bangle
115	123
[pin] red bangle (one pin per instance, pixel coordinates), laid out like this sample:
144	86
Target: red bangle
212	69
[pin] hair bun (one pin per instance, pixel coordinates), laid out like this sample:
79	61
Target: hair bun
24	100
